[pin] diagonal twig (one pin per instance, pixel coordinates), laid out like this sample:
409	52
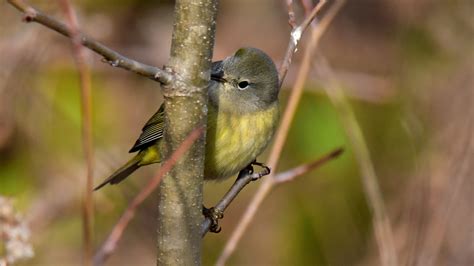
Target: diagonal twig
112	57
245	178
110	243
295	36
295	96
291	174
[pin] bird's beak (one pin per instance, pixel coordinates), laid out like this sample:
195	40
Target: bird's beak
218	76
217	73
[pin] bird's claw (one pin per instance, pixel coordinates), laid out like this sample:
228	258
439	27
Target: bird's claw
214	215
266	170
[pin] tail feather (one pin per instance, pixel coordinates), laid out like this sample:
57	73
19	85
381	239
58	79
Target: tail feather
122	173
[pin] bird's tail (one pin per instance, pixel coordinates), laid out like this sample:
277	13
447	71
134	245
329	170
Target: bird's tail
122	173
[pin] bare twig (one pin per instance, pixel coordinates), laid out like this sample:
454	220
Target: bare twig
86	102
295	36
291	174
295	96
381	222
110	244
291	14
112	57
245	178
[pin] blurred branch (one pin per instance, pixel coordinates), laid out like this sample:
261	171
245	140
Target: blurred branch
362	86
86	103
282	133
381	222
108	247
307	6
245	177
110	56
446	203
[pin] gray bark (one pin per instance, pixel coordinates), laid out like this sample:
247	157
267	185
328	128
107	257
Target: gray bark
180	206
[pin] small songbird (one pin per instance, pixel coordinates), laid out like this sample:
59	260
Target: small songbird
243	114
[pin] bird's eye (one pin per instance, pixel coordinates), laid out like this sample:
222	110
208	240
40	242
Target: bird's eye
243	85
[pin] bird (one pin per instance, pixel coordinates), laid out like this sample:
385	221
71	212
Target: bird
243	114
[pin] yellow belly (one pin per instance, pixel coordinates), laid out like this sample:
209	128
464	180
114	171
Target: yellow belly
235	140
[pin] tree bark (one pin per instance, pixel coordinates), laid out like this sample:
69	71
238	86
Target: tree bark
180	206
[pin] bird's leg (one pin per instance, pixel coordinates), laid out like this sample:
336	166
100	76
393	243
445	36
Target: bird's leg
214	215
266	170
246	176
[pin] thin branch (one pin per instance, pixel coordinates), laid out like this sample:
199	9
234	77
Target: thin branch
306	6
460	167
282	133
86	103
381	223
291	14
295	37
291	174
110	56
245	178
108	247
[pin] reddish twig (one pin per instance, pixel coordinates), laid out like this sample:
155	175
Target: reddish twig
282	133
110	243
291	174
245	178
86	104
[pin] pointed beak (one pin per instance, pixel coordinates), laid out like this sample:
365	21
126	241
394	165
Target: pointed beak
218	76
217	73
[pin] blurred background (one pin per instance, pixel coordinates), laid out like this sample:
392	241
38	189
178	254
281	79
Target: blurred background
406	67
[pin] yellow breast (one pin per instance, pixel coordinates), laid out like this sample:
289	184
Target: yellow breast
235	140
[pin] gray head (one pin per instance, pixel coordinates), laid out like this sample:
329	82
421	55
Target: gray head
244	82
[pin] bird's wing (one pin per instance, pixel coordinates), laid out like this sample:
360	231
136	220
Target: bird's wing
153	129
151	132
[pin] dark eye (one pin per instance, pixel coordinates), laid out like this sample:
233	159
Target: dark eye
243	85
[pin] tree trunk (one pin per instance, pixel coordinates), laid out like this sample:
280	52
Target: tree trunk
180	206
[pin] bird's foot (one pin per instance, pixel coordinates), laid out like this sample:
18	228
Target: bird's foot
214	215
265	170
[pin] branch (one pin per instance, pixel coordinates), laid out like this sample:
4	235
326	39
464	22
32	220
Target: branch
245	178
282	133
110	56
295	36
108	247
180	205
86	103
291	174
291	14
381	223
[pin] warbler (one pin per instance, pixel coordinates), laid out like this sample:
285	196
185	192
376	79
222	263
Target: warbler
243	113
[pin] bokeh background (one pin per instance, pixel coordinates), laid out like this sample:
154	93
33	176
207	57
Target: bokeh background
407	69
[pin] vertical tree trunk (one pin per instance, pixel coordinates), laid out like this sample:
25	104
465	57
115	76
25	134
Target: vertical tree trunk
180	206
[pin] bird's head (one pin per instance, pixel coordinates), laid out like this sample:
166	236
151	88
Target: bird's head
244	82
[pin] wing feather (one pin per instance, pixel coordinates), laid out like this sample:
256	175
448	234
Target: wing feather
151	132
